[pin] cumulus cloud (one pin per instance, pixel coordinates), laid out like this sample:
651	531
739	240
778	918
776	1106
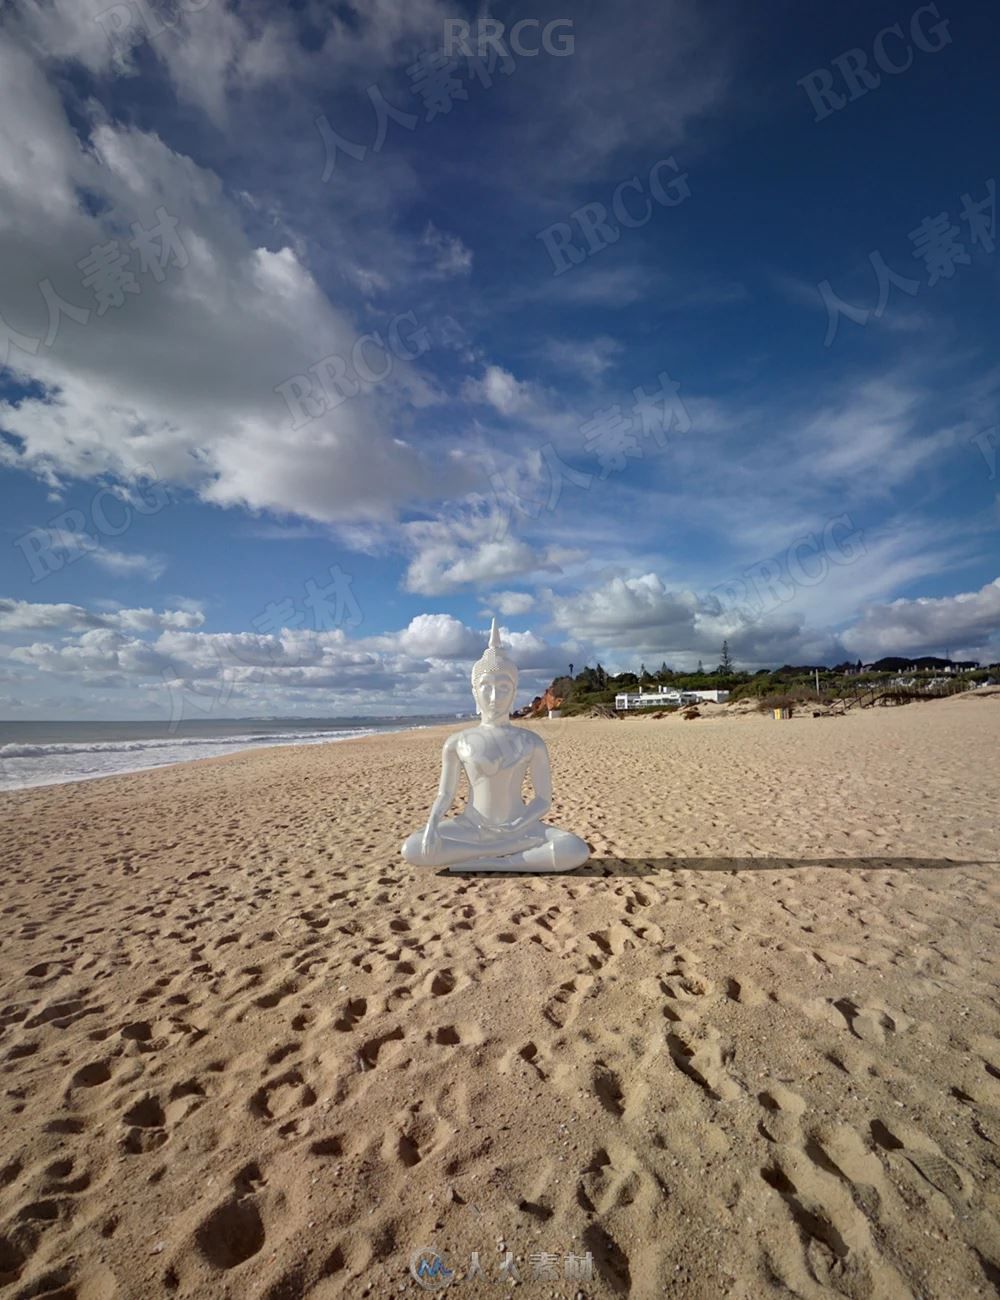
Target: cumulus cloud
625	619
439	636
166	661
500	389
630	618
473	549
185	372
511	602
24	615
969	621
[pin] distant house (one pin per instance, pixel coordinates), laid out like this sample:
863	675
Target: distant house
666	697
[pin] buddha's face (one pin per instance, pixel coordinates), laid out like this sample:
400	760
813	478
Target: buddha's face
494	695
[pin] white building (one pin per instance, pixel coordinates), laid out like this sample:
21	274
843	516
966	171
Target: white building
665	697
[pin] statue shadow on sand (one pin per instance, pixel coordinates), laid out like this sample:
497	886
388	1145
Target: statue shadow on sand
605	866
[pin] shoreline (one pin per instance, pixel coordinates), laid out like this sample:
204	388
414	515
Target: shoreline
233	745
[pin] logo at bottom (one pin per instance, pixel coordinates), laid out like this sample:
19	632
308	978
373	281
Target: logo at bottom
429	1269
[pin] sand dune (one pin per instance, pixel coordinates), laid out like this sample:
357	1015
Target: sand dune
751	1050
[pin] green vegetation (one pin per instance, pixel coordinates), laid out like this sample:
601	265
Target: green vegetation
787	686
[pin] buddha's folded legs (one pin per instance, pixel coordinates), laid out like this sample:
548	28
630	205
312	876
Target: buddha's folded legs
460	842
548	849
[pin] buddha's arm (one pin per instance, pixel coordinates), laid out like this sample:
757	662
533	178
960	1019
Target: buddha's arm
450	769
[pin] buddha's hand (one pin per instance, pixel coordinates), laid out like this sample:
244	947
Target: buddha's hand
431	842
521	823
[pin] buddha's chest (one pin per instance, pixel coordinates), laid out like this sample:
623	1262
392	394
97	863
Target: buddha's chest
486	754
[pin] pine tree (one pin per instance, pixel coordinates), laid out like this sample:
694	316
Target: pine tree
726	664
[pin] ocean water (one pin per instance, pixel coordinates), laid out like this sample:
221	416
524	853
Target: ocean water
50	753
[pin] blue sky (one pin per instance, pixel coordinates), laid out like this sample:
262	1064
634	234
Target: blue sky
587	332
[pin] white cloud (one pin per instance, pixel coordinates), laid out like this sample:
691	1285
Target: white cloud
23	615
578	125
932	625
182	376
439	636
214	53
610	286
162	662
132	564
445	567
510	603
587	357
871	435
499	388
472	548
450	255
627	619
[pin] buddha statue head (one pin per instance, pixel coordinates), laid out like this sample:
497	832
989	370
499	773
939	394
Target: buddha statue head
494	680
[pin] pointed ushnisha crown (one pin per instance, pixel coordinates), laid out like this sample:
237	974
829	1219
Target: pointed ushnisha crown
494	660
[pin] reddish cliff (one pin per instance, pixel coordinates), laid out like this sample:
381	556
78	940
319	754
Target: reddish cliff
541	704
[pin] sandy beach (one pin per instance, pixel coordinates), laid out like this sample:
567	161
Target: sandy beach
750	1050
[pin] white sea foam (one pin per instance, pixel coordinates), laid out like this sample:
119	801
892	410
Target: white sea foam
24	765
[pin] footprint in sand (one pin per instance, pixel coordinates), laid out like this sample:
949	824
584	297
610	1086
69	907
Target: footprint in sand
783	1108
354	1010
603	1187
871	1024
704	1061
564	1005
231	1234
370	1052
281	1096
442	983
839	1150
60	1181
608	1089
93	1075
745	993
523	1059
146	1121
923	1154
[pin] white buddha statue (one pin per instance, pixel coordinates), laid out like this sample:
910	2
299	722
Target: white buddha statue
497	831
